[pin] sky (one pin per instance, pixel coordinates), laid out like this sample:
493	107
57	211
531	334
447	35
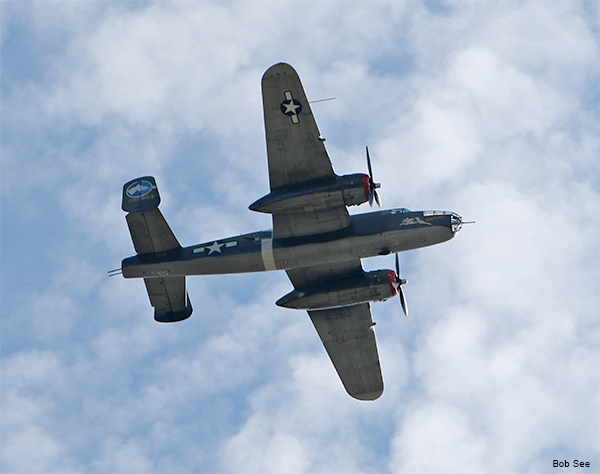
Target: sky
488	109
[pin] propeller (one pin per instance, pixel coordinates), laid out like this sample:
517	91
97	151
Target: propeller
398	282
372	184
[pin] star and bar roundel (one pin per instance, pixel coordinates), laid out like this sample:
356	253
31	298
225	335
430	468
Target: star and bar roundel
291	107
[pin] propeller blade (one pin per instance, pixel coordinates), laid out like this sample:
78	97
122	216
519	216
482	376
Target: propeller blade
373	196
371	189
369	165
403	301
400	282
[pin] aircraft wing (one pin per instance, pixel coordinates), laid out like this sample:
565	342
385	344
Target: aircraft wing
347	333
297	155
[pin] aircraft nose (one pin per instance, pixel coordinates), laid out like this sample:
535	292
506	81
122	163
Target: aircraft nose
456	222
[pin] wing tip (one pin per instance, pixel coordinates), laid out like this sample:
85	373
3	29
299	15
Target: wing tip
367	396
279	68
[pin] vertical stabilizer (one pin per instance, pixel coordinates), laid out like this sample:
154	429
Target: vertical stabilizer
170	299
148	228
140	195
151	234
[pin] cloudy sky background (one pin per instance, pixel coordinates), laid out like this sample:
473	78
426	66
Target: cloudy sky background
489	109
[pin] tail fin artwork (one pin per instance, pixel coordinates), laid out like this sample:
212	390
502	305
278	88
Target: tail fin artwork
151	234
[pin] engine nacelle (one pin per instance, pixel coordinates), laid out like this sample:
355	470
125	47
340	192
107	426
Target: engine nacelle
351	190
364	288
355	188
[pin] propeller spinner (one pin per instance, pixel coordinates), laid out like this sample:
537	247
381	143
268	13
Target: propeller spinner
398	282
372	184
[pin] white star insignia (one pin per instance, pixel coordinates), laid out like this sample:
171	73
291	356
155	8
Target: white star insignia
216	247
291	107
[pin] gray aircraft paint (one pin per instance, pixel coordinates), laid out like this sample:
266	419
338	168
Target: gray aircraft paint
314	239
371	234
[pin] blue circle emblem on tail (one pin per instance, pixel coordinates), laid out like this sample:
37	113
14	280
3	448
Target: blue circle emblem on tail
139	189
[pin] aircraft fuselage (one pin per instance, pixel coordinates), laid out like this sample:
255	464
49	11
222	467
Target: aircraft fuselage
369	235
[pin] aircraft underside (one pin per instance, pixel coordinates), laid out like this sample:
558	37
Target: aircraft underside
314	239
372	234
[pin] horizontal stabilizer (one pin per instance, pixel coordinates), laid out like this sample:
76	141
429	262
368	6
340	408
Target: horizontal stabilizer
170	299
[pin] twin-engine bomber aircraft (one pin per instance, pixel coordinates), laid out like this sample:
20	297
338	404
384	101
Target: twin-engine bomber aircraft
314	239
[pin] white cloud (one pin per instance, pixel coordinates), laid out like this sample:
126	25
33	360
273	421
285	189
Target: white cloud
438	438
30	383
48	454
319	434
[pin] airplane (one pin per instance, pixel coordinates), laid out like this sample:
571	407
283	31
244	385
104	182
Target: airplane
314	239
